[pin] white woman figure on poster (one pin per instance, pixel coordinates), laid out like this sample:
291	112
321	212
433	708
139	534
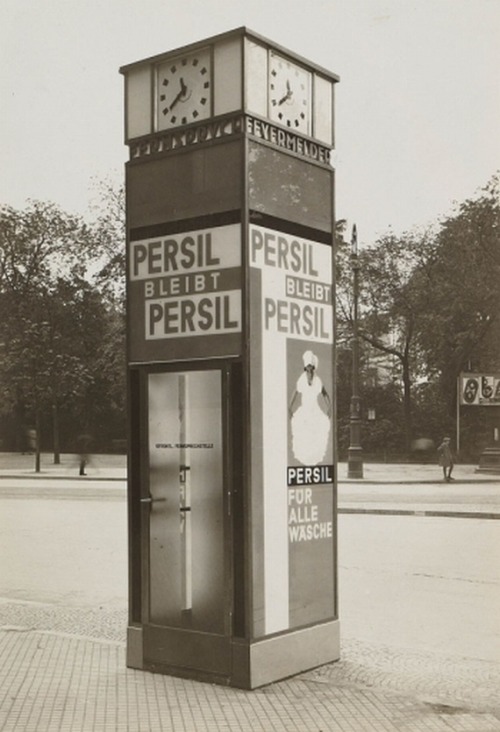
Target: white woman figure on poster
311	420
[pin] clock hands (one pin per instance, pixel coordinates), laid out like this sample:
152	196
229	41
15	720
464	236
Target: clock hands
288	95
181	96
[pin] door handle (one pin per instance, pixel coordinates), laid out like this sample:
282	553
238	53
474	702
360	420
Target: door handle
182	472
150	499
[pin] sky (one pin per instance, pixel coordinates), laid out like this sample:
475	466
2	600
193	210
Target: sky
417	106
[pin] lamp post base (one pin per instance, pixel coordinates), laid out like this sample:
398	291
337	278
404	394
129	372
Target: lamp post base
355	462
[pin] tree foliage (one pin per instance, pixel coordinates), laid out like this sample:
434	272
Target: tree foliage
109	234
460	315
392	301
58	325
430	307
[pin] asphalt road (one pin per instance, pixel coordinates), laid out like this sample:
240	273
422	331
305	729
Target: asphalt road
421	583
409	582
63	544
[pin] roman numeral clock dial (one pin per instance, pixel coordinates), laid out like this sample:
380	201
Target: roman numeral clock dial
289	94
184	90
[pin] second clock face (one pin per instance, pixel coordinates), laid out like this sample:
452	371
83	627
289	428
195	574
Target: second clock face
289	94
184	90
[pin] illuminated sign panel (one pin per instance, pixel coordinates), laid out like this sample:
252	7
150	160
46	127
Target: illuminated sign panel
185	286
291	326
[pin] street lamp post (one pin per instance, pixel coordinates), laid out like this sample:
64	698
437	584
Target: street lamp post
355	452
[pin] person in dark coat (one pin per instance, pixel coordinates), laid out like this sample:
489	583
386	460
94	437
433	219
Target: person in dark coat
446	458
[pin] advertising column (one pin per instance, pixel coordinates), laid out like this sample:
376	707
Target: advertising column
291	329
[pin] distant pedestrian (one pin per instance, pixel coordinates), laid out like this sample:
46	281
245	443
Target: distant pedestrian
84	442
446	458
30	440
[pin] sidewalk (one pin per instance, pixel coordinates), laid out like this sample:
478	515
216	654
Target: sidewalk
63	669
415	473
101	467
386	488
114	467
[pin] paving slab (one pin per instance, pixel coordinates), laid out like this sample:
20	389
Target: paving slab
53	681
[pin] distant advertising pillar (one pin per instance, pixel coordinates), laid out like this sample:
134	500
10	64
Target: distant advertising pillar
230	300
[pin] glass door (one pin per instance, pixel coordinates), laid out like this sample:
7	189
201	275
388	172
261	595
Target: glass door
186	501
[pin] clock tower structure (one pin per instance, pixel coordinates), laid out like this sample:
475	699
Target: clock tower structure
230	350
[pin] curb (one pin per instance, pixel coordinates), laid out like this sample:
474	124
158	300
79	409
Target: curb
421	513
79	478
343	481
414	481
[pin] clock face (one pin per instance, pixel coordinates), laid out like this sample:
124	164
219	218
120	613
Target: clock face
289	94
184	90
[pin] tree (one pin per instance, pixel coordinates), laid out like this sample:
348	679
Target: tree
42	367
391	299
109	235
431	303
38	246
461	311
59	323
